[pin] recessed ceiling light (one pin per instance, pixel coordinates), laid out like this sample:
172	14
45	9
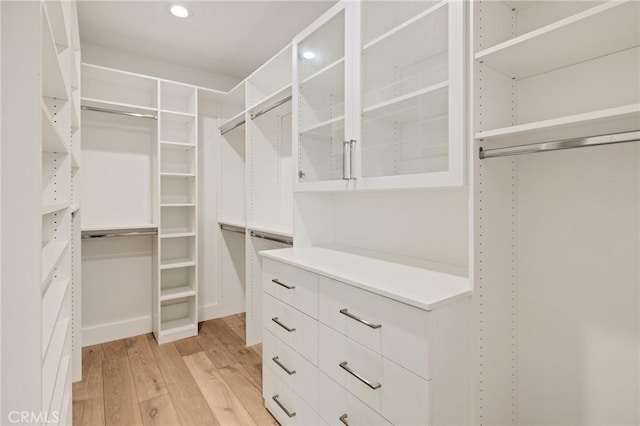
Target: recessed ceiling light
179	11
308	54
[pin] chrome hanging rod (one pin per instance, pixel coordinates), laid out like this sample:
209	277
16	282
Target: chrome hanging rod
119	112
222	132
119	234
269	108
285	240
561	144
231	228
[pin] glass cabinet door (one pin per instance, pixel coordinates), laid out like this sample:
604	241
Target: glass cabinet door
319	101
412	102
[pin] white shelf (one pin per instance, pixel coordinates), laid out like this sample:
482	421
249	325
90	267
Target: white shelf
601	30
421	288
75	207
52	359
233	223
55	17
176	263
118	105
433	102
281	93
52	140
176	293
51	256
53	81
233	121
75	164
178	205
172	174
331	69
53	208
75	115
326	127
52	302
60	390
129	227
185	114
630	112
178	146
177	234
176	326
277	230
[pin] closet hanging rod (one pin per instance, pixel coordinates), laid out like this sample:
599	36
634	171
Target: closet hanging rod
222	132
269	108
287	241
119	234
561	144
232	229
119	112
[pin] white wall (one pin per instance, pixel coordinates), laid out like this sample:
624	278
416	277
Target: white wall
98	55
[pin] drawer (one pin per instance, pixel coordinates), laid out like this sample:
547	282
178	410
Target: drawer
285	405
294	286
292	327
397	331
391	390
291	368
338	407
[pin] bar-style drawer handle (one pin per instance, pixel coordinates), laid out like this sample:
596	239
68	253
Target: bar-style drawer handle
346	312
287	412
343	419
280	283
276	359
277	321
345	367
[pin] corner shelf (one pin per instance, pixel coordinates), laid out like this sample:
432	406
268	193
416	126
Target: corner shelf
52	140
54	208
51	307
554	46
51	255
53	82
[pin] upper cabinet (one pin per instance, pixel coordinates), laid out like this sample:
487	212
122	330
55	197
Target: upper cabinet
378	90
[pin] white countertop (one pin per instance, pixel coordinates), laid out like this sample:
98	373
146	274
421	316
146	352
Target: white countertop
422	288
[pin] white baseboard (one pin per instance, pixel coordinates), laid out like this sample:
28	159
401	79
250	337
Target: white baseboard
116	330
213	311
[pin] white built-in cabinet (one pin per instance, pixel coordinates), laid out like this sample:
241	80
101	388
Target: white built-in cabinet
379	99
40	271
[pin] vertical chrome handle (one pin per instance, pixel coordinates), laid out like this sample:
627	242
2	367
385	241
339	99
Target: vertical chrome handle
288	287
287	412
346	161
276	359
352	159
373	386
343	419
277	321
346	312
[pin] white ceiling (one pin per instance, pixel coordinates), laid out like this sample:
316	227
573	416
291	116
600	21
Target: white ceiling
232	37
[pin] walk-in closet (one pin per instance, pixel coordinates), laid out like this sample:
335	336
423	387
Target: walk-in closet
320	212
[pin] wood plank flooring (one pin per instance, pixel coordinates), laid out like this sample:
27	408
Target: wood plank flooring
211	379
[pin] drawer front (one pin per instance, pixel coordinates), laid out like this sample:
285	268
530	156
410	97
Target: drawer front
338	407
285	405
292	327
294	286
290	367
397	331
399	395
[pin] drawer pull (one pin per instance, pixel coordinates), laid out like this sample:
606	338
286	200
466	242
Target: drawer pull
280	283
346	312
277	321
276	359
287	412
343	419
345	367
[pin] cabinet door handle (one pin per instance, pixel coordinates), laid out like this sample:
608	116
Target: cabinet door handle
276	359
277	321
346	161
346	312
288	287
287	412
345	367
352	159
343	419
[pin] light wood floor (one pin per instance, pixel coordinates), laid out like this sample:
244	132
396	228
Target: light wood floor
211	379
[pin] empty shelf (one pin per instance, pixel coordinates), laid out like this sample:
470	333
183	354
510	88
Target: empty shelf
177	234
428	102
100	228
281	93
51	306
602	30
233	122
176	263
176	326
186	114
178	205
52	140
53	360
54	207
51	256
179	146
176	293
326	127
99	103
281	230
172	174
53	82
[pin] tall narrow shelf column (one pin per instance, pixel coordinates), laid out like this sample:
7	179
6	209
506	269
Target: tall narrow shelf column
175	300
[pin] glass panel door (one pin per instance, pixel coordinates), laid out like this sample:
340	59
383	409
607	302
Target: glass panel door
320	72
